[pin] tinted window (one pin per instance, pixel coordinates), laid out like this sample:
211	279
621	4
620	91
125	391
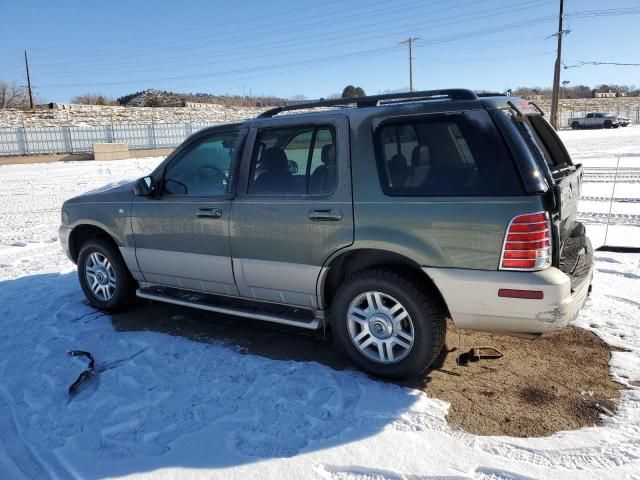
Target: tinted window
445	155
203	170
294	160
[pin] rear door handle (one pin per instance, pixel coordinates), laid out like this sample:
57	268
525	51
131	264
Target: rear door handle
209	213
329	214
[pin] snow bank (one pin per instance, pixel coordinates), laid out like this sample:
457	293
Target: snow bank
166	407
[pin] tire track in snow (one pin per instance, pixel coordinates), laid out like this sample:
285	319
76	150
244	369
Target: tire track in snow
606	199
585	458
609	178
365	473
613	219
20	453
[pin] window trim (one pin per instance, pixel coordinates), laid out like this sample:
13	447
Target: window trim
187	148
430	117
333	128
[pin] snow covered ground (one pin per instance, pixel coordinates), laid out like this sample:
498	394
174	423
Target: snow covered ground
166	407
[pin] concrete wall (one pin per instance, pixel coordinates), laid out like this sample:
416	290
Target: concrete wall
110	151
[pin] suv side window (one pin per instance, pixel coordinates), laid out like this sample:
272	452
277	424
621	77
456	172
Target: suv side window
203	170
294	160
445	155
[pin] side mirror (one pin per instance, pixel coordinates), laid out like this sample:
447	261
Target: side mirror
144	187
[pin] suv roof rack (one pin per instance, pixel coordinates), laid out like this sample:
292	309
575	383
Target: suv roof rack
375	100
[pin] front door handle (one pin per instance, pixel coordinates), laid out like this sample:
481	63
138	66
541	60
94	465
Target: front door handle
329	214
209	213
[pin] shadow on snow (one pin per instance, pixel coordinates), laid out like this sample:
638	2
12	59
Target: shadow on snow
176	387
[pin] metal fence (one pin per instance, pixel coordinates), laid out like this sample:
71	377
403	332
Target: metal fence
69	139
80	139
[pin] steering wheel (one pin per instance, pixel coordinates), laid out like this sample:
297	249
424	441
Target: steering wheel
210	177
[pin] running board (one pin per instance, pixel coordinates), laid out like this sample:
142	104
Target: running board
267	312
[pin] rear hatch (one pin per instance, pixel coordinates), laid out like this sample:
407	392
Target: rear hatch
572	251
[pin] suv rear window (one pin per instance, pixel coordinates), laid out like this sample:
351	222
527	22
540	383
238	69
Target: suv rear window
445	155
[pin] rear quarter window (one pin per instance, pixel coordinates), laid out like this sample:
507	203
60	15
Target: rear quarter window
459	154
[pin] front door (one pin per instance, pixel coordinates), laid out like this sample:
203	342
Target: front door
293	208
182	235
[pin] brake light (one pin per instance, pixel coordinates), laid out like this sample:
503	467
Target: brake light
527	243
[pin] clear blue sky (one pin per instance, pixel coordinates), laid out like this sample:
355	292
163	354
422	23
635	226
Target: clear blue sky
308	47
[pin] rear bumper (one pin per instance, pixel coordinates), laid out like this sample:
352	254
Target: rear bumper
473	301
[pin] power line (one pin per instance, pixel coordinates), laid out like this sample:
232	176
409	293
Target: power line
270	34
287	25
365	52
214	74
259	53
243	21
617	64
336	58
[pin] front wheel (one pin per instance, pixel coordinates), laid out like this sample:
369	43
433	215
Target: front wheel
607	124
104	277
388	324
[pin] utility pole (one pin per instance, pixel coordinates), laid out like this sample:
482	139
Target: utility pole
556	72
26	62
409	42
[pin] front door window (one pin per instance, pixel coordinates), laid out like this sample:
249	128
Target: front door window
203	170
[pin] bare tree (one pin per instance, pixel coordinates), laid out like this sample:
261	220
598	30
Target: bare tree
13	96
93	99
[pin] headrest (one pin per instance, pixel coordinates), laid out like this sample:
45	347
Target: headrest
275	160
328	154
420	156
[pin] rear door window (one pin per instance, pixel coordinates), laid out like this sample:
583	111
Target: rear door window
294	160
445	155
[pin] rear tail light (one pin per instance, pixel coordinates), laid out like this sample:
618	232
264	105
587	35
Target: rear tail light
527	243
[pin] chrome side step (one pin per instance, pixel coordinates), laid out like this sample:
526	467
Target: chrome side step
267	312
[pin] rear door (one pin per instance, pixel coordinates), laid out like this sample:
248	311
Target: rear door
293	207
572	250
567	177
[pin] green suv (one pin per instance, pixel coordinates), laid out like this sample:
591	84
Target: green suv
380	219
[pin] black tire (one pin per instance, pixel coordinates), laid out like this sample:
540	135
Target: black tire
125	288
427	313
607	124
575	125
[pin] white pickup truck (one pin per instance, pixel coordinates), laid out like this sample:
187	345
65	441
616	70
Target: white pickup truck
598	120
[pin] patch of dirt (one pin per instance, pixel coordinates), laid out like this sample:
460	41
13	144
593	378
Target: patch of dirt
559	381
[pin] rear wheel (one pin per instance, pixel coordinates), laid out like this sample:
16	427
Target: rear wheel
388	323
104	277
575	125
